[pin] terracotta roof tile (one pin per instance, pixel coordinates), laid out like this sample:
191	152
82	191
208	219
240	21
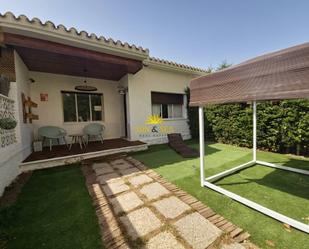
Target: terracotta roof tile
35	23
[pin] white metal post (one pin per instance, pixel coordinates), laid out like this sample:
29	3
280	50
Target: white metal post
254	131
202	143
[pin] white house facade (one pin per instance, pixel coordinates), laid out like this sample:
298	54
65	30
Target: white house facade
45	63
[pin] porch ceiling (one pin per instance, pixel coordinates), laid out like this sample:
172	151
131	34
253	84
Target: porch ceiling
46	56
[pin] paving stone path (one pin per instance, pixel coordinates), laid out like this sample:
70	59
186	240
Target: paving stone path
137	209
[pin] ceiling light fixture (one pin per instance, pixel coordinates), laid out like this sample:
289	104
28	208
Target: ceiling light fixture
86	87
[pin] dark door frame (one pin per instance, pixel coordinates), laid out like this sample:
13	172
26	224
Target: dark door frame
125	115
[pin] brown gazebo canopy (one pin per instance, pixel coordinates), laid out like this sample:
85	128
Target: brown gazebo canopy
279	75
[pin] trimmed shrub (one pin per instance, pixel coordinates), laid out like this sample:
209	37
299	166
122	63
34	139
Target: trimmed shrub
282	126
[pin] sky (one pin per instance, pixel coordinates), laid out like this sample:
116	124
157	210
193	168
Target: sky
196	33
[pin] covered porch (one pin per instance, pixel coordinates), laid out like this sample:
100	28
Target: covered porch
70	86
48	73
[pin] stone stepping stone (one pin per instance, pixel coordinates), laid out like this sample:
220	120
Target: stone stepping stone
118	161
233	246
197	231
103	179
126	202
139	180
171	207
104	170
154	190
115	187
140	222
100	165
123	166
164	240
129	171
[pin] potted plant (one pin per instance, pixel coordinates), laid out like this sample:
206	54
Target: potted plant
4	85
8	123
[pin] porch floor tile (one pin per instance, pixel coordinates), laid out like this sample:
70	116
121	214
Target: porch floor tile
63	151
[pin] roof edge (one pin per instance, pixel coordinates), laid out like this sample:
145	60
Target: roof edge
174	66
35	28
49	31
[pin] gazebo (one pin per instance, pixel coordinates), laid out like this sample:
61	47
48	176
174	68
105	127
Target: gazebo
275	76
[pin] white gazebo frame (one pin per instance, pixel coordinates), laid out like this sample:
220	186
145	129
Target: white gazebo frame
208	181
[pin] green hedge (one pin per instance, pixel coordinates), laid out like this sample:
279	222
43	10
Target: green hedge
282	126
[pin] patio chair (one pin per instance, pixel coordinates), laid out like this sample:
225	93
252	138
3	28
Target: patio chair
176	142
52	132
94	130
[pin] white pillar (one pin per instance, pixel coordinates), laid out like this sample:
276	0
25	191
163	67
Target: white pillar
202	143
254	130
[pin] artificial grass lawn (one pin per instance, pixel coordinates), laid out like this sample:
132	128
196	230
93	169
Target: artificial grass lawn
53	211
282	191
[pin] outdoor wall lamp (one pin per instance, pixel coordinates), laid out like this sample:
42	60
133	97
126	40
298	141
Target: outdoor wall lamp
122	90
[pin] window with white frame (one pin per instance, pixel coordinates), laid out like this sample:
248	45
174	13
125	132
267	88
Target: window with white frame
167	105
82	107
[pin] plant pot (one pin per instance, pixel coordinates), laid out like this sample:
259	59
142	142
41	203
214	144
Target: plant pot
7	123
4	86
37	146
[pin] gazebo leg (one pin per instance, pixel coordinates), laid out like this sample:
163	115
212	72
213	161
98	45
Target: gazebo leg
254	131
202	143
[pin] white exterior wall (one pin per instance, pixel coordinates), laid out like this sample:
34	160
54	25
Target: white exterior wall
139	93
11	156
51	112
124	82
138	99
